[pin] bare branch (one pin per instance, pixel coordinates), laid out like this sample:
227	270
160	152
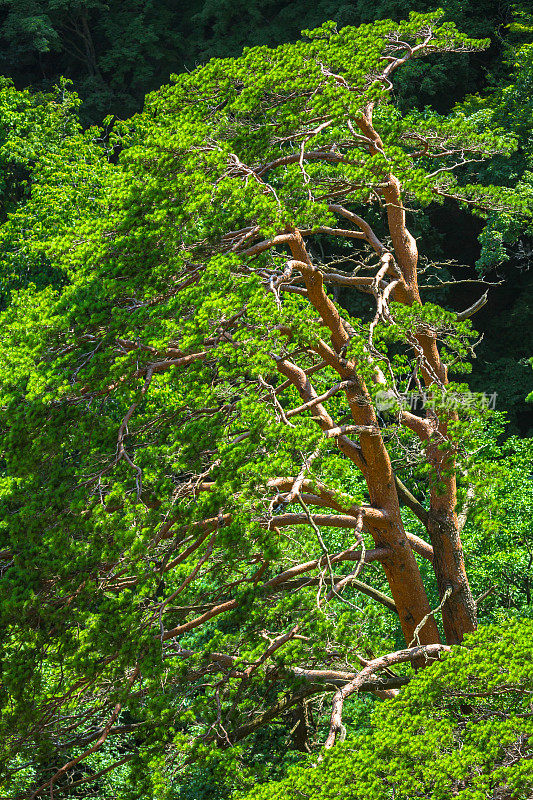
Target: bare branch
469	312
399	657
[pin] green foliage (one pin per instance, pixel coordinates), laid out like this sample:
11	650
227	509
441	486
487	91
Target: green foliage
143	375
509	107
49	172
462	728
499	533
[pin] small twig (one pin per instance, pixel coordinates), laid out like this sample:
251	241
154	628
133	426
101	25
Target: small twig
433	611
336	587
485	594
277	405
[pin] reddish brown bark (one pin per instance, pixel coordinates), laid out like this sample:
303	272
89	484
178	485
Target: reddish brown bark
371	457
459	614
459	611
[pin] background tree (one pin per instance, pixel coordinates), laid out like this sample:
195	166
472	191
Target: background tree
42	150
115	52
199	441
506	241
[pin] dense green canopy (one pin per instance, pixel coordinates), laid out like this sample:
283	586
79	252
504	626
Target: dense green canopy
217	500
460	729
